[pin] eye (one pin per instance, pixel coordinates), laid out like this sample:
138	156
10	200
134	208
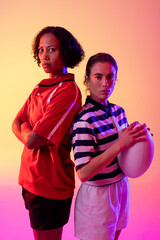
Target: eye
98	77
110	78
40	50
52	49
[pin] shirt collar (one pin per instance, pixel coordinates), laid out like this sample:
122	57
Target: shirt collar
53	81
105	108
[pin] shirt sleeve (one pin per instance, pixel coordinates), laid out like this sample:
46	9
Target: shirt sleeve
84	143
59	114
119	117
123	122
23	112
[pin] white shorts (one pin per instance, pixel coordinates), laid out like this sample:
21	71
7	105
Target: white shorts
101	211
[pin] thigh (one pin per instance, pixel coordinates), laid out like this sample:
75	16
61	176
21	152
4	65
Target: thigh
117	234
54	234
96	212
124	204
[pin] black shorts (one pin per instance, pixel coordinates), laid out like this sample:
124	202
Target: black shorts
46	213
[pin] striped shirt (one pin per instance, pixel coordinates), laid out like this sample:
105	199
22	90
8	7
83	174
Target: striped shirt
95	130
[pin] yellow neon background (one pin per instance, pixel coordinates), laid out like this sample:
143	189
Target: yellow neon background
128	30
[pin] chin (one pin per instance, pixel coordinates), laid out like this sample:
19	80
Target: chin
104	97
46	70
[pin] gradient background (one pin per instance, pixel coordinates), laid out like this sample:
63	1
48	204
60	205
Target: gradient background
127	29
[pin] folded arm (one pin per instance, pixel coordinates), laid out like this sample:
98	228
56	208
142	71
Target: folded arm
23	131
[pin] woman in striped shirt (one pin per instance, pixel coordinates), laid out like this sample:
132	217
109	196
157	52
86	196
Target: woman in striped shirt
99	133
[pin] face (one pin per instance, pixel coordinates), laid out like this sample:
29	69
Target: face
49	55
101	81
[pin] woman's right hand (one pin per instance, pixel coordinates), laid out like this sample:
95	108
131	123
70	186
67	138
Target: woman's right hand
136	132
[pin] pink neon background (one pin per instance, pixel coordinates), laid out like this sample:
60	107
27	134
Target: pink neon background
129	30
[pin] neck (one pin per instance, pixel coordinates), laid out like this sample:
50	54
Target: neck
58	74
104	102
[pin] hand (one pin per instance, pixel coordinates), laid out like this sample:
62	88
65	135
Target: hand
25	126
150	132
134	133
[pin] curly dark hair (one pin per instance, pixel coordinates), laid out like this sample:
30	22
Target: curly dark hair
70	50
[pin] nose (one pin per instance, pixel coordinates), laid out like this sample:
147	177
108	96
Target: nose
105	82
45	55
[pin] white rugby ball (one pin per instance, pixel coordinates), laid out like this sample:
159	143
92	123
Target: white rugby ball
134	161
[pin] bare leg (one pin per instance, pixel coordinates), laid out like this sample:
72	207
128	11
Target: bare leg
117	235
53	234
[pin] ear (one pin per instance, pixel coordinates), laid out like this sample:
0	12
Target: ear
117	81
87	81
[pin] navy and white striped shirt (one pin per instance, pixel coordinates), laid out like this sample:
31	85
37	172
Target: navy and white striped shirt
95	130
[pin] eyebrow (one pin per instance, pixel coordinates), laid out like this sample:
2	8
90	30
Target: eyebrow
111	73
100	74
48	46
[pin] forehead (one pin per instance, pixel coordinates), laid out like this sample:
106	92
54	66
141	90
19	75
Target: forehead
103	68
48	39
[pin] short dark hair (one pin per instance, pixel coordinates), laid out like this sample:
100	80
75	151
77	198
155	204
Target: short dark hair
70	50
100	57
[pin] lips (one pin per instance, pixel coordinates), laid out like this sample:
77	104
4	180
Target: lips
104	91
45	65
